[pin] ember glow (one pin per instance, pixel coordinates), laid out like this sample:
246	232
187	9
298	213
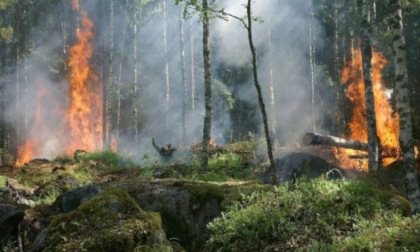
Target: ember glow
387	121
80	122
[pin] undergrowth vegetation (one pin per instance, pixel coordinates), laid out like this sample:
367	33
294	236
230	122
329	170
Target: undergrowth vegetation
317	215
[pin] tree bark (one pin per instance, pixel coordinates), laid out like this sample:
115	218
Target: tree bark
403	106
328	140
118	112
312	65
375	159
272	88
316	139
184	82
207	87
134	87
192	62
110	89
259	92
167	83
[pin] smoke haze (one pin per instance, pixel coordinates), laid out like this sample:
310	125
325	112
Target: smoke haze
288	22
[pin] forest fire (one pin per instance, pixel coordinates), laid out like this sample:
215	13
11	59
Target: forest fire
81	122
387	120
85	112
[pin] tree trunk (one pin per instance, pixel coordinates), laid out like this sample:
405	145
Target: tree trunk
17	83
134	87
207	87
184	82
333	141
260	97
338	120
375	162
316	139
272	88
192	62
25	92
118	112
312	65
403	106
165	47
110	88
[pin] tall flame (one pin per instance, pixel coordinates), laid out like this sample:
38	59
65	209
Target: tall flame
387	121
85	111
80	126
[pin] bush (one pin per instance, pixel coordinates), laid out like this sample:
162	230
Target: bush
108	157
315	215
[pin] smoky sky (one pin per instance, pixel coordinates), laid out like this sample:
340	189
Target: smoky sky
285	54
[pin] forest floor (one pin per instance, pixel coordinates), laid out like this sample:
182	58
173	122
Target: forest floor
103	201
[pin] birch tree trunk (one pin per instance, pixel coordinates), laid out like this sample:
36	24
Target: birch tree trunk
134	86
312	66
271	78
17	83
184	82
207	87
375	159
165	47
403	106
119	86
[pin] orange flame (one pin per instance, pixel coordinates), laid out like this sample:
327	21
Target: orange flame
31	147
81	127
85	111
387	121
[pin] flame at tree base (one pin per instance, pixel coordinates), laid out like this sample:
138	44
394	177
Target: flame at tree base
387	121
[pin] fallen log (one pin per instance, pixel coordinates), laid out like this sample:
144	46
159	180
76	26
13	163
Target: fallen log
316	139
328	140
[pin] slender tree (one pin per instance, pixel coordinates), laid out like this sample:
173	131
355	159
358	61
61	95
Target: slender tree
403	106
272	88
375	155
312	64
207	85
248	26
192	62
134	86
184	82
165	48
119	83
110	82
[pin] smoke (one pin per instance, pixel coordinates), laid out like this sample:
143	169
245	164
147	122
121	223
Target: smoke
161	113
282	44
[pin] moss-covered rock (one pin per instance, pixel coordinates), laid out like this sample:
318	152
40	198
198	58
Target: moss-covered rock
111	221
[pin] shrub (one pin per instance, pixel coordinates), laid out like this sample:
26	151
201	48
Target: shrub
312	215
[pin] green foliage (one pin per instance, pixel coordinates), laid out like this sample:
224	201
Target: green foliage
222	92
109	158
310	214
6	33
226	166
3	180
389	232
63	159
